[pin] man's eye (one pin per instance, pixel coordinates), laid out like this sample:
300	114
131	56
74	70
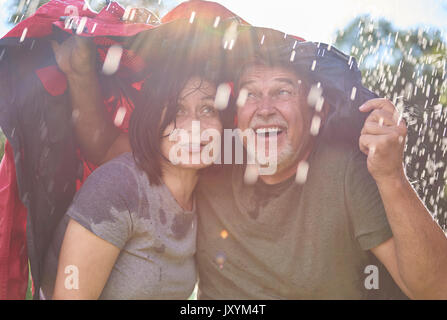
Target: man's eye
251	94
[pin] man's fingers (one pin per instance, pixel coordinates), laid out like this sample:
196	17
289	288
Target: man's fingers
363	147
384	107
377	129
381	142
83	41
382	117
368	142
377	104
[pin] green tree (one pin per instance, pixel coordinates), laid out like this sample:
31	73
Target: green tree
409	68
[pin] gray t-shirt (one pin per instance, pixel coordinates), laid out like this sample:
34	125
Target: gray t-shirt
156	236
291	241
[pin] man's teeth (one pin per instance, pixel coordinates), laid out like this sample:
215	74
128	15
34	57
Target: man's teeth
268	130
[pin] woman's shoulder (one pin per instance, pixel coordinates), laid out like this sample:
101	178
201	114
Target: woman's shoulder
122	166
122	163
117	175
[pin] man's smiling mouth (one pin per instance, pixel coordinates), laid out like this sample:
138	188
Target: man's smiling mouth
269	131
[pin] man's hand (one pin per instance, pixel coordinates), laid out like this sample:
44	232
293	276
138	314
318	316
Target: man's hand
95	133
76	56
382	139
416	257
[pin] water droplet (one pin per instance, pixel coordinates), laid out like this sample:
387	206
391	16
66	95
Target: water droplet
315	125
292	56
314	95
119	117
353	93
251	174
242	97
81	25
301	172
222	96
193	15
112	60
24	32
216	22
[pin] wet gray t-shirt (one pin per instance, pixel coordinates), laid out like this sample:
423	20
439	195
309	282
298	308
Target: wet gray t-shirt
293	241
156	236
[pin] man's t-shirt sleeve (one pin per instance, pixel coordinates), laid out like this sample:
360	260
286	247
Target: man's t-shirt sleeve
102	204
365	206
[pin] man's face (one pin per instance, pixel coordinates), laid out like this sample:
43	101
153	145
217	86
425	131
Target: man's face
273	104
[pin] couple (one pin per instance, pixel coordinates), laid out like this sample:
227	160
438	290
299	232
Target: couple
142	228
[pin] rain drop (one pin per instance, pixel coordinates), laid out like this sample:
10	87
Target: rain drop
112	60
222	96
251	174
193	15
242	97
119	117
25	31
301	172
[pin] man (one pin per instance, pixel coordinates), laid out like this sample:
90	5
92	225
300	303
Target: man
286	240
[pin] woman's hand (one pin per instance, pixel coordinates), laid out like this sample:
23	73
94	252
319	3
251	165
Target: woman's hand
76	56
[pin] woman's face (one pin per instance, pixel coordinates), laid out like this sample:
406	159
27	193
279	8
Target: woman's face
192	141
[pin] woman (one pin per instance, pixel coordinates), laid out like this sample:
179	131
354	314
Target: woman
131	229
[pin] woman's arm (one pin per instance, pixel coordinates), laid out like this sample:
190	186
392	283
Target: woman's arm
85	263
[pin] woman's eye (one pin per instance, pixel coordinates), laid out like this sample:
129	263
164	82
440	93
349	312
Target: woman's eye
181	112
208	110
284	92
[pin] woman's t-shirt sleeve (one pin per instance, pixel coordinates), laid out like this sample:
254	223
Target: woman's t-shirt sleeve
106	201
365	206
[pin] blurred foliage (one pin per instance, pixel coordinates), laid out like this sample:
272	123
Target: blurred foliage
21	9
409	68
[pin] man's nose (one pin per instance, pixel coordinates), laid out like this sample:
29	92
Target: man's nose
266	107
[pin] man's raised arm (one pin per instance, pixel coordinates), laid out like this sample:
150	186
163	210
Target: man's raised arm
99	139
416	256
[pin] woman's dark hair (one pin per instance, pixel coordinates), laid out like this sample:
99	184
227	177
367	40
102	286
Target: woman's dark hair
161	90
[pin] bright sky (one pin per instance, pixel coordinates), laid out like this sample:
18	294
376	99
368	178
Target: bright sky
317	20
